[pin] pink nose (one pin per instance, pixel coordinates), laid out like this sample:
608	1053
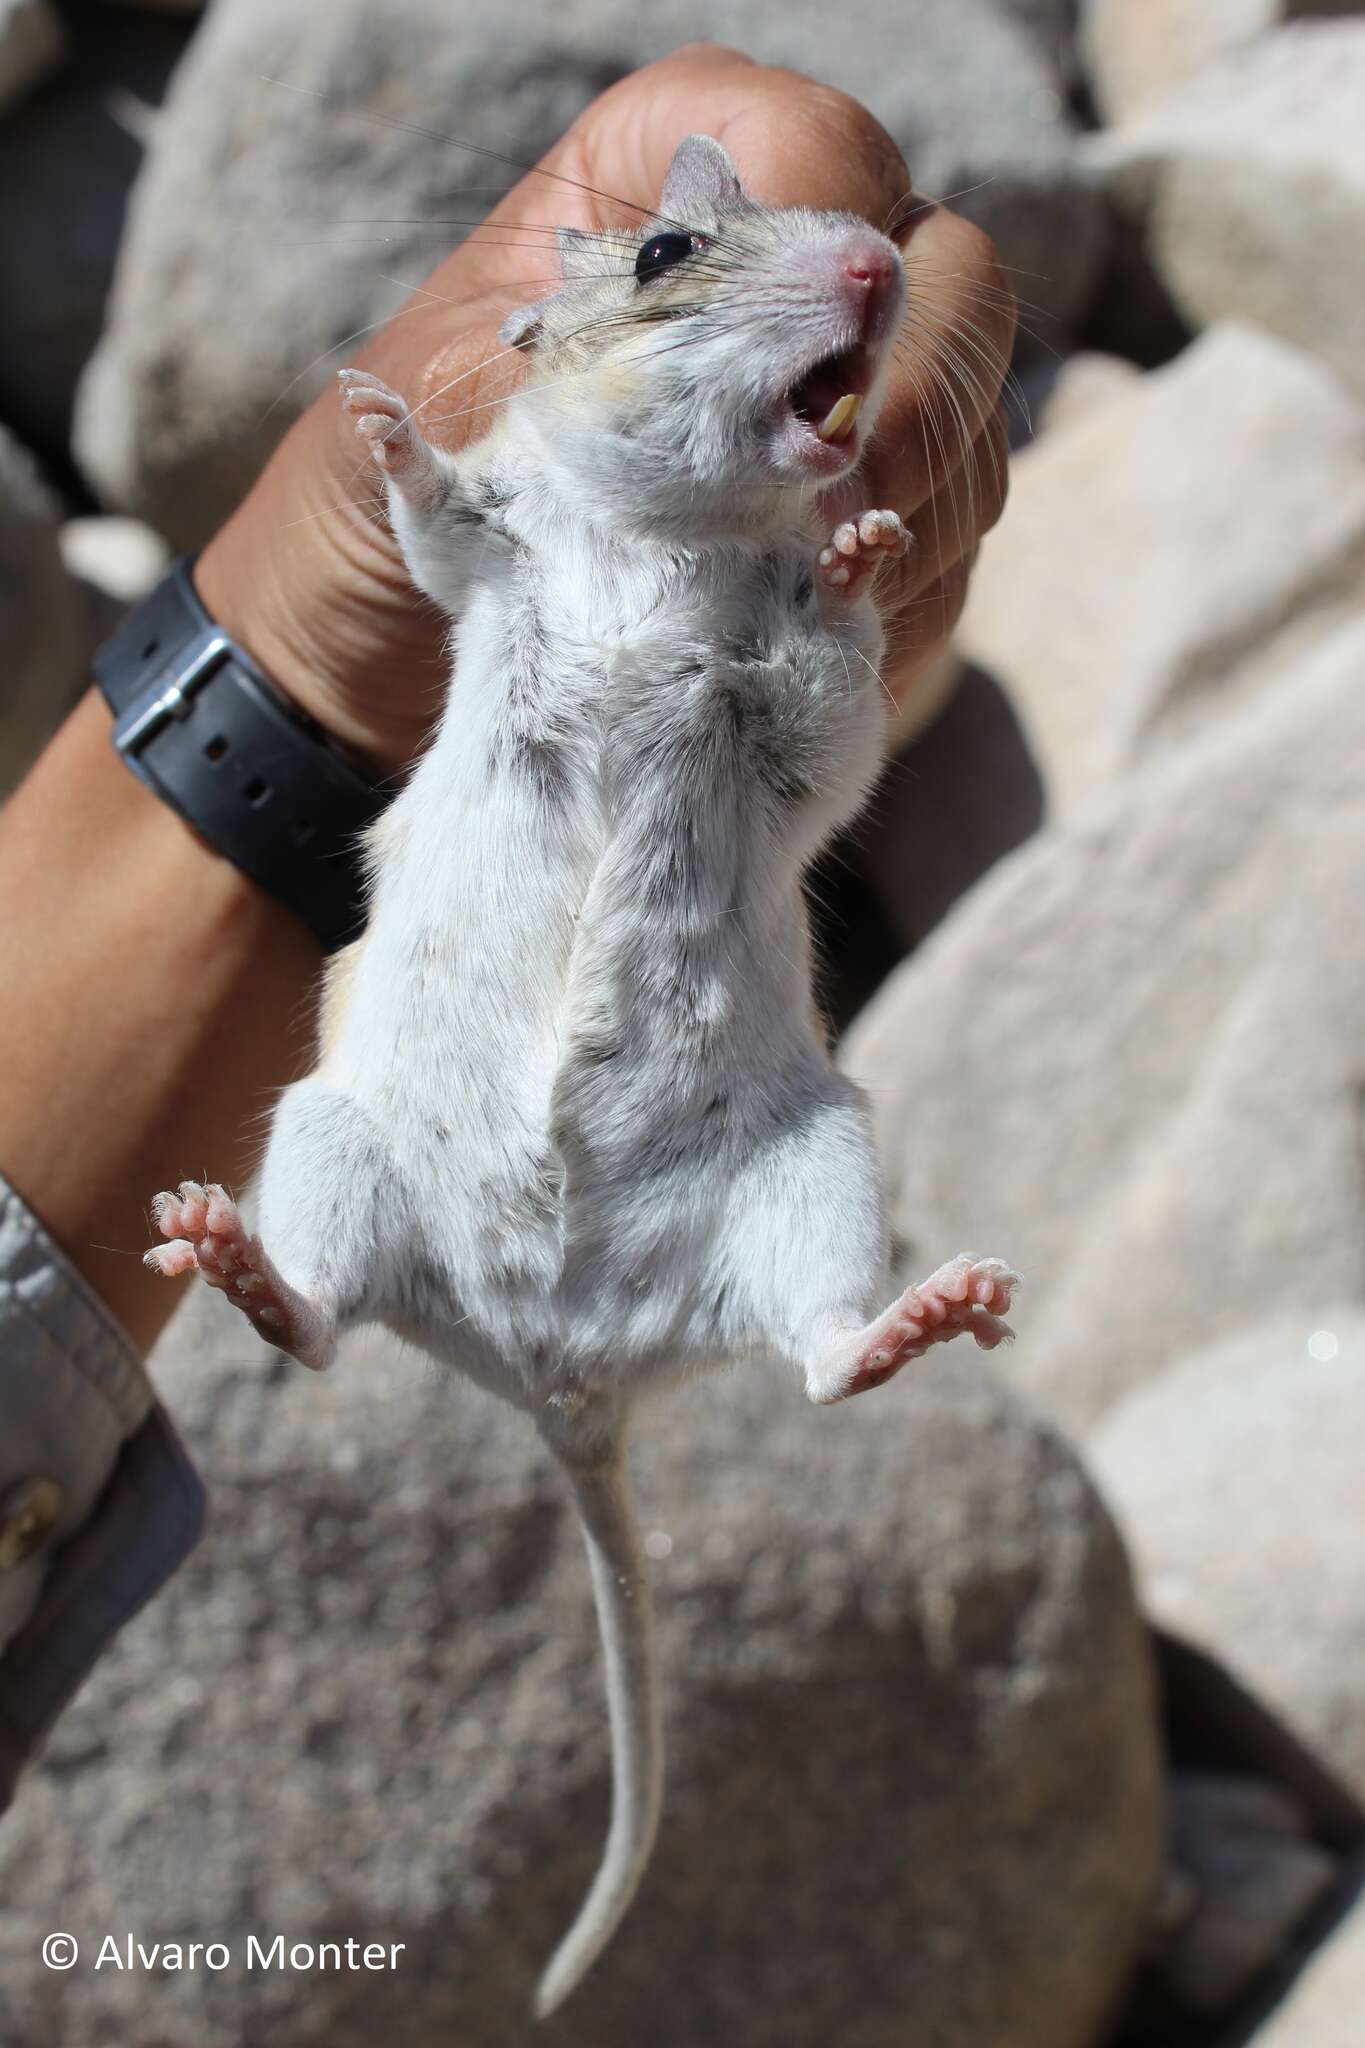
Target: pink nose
866	264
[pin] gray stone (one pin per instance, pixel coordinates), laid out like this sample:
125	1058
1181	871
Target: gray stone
1136	54
248	260
44	630
32	43
1237	1475
1082	383
120	557
914	1787
1169	541
1241	1845
1249	184
1052	26
1129	1061
115	562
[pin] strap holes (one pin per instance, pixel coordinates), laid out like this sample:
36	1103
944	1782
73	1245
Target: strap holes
256	791
216	748
150	649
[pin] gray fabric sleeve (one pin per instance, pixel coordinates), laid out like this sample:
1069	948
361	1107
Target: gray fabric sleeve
118	1504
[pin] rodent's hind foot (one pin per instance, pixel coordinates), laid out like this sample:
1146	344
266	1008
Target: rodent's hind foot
204	1230
967	1296
383	421
856	550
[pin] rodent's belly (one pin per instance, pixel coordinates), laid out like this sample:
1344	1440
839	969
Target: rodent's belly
573	1025
573	1162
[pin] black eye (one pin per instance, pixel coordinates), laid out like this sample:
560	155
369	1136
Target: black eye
660	253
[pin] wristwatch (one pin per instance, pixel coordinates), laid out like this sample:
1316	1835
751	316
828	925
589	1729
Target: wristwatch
203	726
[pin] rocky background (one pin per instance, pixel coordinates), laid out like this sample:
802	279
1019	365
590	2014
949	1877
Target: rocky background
1016	1711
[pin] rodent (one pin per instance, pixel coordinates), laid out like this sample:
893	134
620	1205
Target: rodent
575	1129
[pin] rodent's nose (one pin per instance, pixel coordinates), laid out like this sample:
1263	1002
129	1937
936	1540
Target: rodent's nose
866	272
868	265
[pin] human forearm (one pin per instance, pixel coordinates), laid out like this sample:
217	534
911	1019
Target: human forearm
154	1000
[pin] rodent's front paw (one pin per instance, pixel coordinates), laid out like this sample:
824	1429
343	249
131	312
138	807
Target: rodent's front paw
856	550
380	414
383	421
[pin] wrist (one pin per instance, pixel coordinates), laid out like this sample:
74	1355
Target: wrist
213	736
154	997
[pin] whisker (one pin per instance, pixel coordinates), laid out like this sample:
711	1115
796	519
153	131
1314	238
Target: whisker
357	504
477	149
385	320
923	201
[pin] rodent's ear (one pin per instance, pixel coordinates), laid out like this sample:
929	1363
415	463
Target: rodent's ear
521	326
701	179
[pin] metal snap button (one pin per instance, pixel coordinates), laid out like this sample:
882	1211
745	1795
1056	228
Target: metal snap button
28	1509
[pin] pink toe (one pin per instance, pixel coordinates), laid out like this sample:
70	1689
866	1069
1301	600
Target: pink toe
171	1259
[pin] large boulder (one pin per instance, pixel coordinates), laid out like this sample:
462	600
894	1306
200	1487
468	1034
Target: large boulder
1249	186
1130	1060
1237	1476
914	1793
1134	54
1169	540
45	632
276	210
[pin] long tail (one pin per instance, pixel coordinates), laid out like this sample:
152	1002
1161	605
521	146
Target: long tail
625	1617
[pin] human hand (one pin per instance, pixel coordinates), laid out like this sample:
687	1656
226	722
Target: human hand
306	574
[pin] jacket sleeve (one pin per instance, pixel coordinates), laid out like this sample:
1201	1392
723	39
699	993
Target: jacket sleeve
98	1500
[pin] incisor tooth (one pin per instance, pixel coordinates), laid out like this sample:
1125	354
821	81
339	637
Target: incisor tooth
838	421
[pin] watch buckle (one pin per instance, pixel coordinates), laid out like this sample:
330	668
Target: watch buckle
171	692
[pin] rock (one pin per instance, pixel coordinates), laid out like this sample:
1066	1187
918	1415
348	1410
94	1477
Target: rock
1130	1059
914	1781
43	626
1323	2006
116	562
67	159
244	269
1262	1435
1241	1844
1109	601
120	557
1250	186
1084	382
1052	26
1134	55
32	43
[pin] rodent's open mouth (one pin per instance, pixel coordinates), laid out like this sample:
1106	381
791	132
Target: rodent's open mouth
828	398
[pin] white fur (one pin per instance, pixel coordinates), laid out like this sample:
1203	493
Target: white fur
579	1133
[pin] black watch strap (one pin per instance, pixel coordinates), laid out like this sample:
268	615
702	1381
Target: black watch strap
201	725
